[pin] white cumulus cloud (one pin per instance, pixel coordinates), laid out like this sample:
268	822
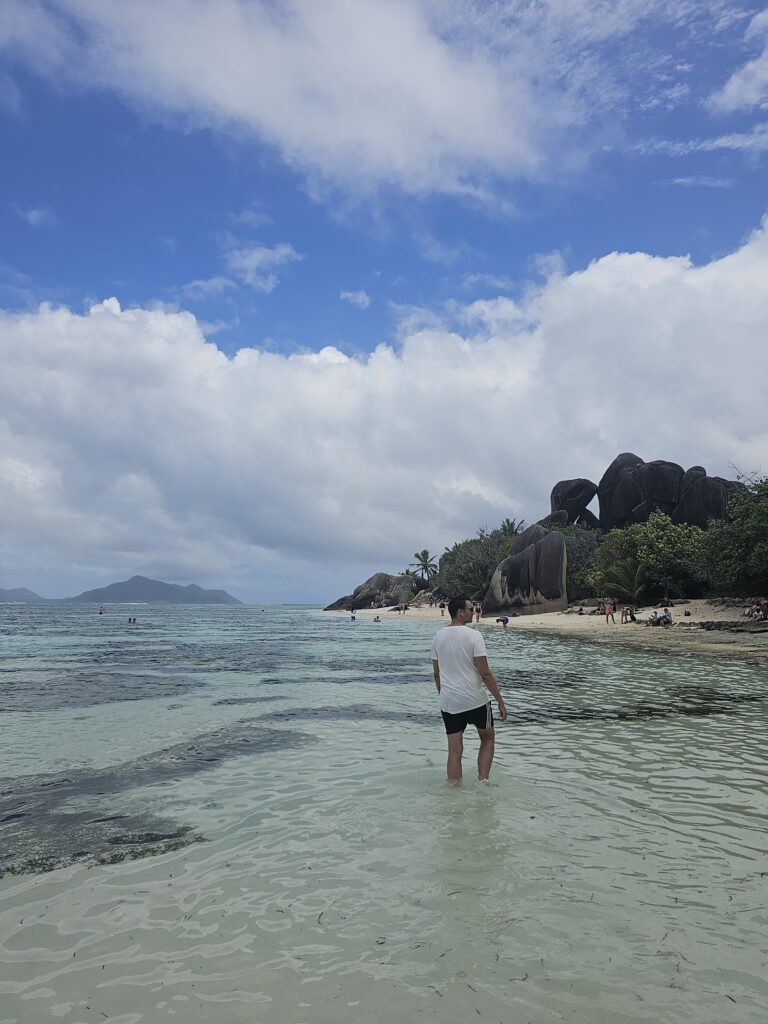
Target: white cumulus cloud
747	87
206	287
255	265
36	216
701	181
360	299
130	443
424	95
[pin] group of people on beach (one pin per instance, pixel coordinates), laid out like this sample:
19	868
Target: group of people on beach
608	607
629	612
758	610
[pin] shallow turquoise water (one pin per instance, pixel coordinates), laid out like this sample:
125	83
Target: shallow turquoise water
614	870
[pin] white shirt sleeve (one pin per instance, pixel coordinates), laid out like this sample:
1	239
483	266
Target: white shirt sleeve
478	644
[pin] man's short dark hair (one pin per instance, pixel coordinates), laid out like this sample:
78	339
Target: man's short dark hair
456	604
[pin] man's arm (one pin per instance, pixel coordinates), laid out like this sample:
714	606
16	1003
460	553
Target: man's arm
482	666
436	673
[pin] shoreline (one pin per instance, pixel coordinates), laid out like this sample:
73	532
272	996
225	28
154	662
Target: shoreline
685	637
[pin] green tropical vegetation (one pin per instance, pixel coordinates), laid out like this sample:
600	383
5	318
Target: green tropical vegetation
626	579
646	561
467	567
734	553
424	564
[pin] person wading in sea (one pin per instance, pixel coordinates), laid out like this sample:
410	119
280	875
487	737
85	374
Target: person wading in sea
463	680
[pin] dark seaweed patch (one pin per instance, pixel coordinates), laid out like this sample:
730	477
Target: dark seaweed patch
350	712
40	833
231	701
78	688
700	703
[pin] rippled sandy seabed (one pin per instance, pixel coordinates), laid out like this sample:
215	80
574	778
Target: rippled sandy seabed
614	871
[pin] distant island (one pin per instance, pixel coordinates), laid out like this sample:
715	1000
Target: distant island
136	589
20	595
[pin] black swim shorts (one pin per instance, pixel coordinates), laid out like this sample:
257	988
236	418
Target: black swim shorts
481	717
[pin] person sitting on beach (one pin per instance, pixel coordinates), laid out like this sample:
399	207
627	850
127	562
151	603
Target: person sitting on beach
465	684
653	619
665	619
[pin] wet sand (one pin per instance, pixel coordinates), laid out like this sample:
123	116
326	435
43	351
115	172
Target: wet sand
685	637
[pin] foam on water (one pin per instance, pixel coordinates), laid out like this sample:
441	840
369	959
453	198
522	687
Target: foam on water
613	871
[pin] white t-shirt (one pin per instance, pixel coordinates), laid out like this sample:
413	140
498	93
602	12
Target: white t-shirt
461	686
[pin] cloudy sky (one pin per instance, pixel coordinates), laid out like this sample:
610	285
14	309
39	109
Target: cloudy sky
291	288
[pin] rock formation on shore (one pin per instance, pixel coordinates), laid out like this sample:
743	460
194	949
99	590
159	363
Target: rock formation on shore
381	589
532	574
631	489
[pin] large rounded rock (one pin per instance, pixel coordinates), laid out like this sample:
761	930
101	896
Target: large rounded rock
554	519
705	498
381	588
532	576
631	490
619	491
660	483
690	477
572	496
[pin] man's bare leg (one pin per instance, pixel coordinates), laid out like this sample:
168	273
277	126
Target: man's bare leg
455	750
485	754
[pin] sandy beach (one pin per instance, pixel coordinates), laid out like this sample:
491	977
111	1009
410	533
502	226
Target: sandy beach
685	637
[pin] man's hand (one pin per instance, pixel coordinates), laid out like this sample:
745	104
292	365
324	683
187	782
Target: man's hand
482	666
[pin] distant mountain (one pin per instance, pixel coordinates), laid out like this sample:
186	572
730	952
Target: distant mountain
23	595
139	588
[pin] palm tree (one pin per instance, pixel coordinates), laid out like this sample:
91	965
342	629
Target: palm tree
511	527
424	564
626	578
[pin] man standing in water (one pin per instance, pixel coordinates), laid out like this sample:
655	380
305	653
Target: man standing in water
463	680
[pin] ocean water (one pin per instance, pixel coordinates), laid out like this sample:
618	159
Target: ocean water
240	814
